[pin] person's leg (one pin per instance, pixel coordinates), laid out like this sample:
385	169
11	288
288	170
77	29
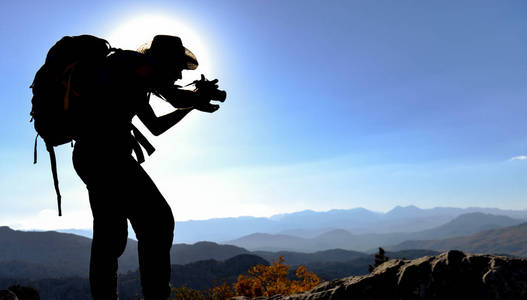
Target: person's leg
110	232
153	223
109	241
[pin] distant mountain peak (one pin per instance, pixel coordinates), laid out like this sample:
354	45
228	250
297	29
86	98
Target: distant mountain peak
404	210
408	207
298	213
259	234
474	215
205	243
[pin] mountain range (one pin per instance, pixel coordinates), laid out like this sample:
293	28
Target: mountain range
53	254
509	240
309	224
465	224
44	260
332	244
60	260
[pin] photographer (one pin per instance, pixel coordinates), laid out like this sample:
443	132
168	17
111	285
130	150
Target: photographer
118	187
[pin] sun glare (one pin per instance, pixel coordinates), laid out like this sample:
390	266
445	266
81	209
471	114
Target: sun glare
135	32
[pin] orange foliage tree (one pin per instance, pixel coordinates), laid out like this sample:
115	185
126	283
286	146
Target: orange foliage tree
272	280
221	292
185	293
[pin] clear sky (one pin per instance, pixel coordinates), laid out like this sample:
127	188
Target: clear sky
331	104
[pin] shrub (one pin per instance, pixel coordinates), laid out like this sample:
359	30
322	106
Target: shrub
221	292
185	293
272	280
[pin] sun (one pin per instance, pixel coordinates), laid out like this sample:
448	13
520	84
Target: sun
132	33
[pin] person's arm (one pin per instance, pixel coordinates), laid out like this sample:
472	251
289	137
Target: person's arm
183	100
158	125
180	98
177	97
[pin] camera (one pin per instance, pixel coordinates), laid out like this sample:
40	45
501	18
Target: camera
208	89
205	91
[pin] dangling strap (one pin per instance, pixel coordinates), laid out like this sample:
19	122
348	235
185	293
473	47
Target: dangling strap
138	151
138	141
35	150
143	141
53	161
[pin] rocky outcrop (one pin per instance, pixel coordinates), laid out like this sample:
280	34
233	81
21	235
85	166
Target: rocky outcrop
450	275
7	295
19	292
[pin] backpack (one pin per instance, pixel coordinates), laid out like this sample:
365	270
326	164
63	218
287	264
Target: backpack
54	95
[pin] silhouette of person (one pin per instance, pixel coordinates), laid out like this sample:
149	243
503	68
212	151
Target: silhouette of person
118	187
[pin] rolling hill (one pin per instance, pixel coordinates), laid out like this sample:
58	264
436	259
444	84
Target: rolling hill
299	258
55	252
35	255
509	240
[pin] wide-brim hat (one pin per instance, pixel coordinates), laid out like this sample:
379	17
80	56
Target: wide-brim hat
169	51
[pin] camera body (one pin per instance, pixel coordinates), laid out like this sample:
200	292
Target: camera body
200	98
209	89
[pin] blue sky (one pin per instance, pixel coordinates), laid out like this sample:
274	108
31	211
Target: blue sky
331	104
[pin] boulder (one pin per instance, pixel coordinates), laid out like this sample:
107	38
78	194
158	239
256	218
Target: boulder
7	295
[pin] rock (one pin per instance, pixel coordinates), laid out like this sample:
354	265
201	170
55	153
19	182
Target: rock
450	275
7	295
24	292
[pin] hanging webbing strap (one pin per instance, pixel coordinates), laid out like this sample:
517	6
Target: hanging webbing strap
35	150
138	141
53	161
138	151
